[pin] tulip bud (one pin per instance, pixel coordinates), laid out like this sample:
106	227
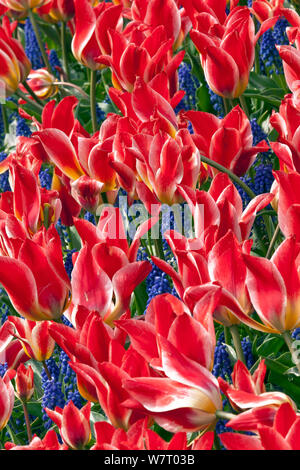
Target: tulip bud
24	383
34	337
86	192
42	83
73	424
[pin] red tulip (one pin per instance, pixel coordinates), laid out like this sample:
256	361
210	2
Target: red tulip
103	280
33	336
87	193
166	163
49	442
24	383
282	434
227	51
73	424
23	5
227	141
274	287
34	207
287	147
264	9
167	316
215	8
14	64
7	397
221	209
82	347
139	437
247	392
226	265
138	54
57	10
159	12
91	34
36	280
11	352
288	203
185	400
101	367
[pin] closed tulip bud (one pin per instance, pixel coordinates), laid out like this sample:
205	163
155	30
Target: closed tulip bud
73	424
34	337
24	383
42	83
87	192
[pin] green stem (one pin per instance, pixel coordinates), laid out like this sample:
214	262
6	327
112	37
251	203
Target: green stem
32	94
104	198
232	176
72	85
158	249
244	105
22	95
273	241
47	370
149	243
226	335
226	105
39	40
217	445
289	342
63	39
4	119
237	342
93	99
27	421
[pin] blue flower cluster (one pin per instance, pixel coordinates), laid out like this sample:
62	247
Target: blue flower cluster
90	217
260	183
270	61
53	395
3	369
4	312
189	83
32	49
258	136
54	62
260	178
22	128
45	177
101	116
4	183
247	350
222	365
69	381
217	103
157	283
1	128
68	262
